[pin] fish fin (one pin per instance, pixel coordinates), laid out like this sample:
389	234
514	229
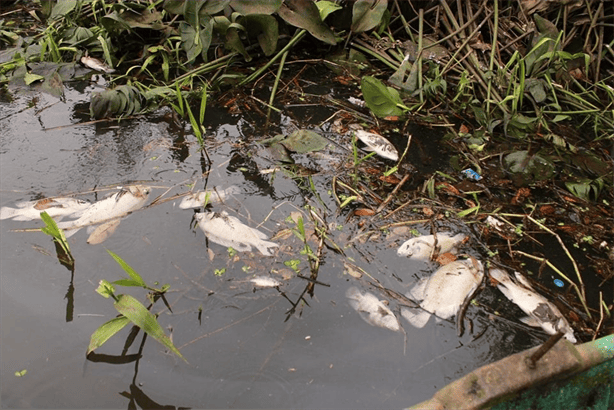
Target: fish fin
6	212
523	280
70	232
531	321
416	318
417	292
103	232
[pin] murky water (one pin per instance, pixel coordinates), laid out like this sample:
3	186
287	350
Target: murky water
244	349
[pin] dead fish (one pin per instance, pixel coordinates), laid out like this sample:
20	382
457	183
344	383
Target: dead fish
96	64
421	247
443	293
56	208
542	313
372	310
380	145
121	203
265	282
198	199
227	230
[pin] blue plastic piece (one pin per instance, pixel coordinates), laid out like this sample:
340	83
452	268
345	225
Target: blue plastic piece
559	283
471	174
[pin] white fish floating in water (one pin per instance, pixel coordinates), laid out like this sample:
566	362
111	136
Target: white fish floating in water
380	145
121	203
542	313
197	199
265	282
444	292
96	64
227	230
421	247
372	310
56	208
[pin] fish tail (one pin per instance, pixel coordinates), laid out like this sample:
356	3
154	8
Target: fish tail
416	318
6	212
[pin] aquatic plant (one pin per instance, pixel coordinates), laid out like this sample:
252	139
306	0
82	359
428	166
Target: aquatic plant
131	310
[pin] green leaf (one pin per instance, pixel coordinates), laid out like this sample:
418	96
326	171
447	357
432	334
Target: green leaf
305	14
106	331
382	100
303	141
247	7
61	8
528	168
143	318
128	269
29	78
105	289
327	7
265	29
21	373
51	228
366	14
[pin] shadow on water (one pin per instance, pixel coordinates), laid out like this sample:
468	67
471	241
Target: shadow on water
299	344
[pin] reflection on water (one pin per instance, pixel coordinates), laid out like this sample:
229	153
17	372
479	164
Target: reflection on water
301	345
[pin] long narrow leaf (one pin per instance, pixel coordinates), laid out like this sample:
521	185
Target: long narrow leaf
106	331
131	272
143	318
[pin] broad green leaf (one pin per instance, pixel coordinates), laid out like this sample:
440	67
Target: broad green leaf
233	42
61	8
128	269
265	29
536	88
367	14
303	141
585	188
247	7
305	14
29	78
406	68
213	6
53	85
143	318
106	331
327	7
174	6
529	168
382	100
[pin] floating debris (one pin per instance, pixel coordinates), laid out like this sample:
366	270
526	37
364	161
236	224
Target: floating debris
471	174
372	310
542	313
443	293
227	230
421	247
198	199
56	208
265	282
380	145
120	204
96	64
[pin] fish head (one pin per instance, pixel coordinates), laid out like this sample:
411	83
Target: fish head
139	191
